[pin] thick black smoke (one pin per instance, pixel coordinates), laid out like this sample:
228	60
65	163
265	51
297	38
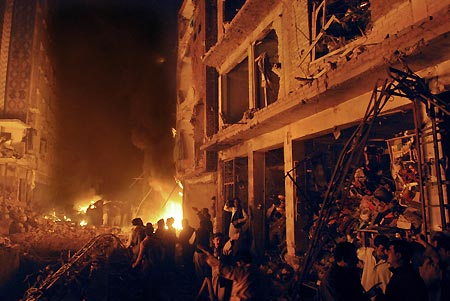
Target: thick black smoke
115	86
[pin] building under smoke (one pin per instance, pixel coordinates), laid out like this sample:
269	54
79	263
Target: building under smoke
269	92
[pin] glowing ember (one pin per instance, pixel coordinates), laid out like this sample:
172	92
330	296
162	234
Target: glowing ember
83	223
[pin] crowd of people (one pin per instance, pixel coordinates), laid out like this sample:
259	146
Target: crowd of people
387	269
221	264
392	270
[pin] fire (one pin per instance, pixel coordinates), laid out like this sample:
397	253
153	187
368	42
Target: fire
83	223
175	210
83	205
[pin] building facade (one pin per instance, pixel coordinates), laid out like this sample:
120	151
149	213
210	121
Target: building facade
269	92
27	102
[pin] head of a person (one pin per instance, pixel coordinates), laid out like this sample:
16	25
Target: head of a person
205	211
237	202
345	255
170	222
217	239
400	253
381	245
149	229
161	224
137	222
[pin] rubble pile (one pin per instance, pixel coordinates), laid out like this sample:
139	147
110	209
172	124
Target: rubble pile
382	197
34	233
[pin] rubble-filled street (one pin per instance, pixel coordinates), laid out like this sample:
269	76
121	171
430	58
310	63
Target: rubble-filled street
60	260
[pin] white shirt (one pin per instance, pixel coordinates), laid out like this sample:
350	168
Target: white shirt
233	231
373	272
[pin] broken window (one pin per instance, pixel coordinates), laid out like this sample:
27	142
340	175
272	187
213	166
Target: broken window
334	23
235	93
231	8
266	66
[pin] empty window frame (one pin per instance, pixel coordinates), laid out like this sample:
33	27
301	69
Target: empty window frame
267	82
235	93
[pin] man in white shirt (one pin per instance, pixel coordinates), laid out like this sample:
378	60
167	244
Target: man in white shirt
376	269
238	226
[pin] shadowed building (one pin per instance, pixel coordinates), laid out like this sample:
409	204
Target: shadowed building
27	101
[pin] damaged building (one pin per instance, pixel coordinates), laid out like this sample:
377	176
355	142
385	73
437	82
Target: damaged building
270	91
27	102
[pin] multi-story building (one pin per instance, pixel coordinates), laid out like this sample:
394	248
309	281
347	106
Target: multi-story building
197	105
269	91
27	101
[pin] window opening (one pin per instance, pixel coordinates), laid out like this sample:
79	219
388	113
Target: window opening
266	67
334	23
235	93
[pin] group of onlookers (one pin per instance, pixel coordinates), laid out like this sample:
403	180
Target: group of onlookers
222	265
392	270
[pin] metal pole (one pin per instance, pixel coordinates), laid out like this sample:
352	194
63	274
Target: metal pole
142	201
437	166
420	167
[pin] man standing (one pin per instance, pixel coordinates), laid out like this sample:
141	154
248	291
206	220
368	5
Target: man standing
376	269
238	231
342	282
405	284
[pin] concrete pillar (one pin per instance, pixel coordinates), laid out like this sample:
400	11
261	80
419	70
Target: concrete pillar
290	196
303	217
222	95
251	77
256	180
220	198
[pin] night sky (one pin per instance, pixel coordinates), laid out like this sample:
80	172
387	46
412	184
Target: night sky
115	86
